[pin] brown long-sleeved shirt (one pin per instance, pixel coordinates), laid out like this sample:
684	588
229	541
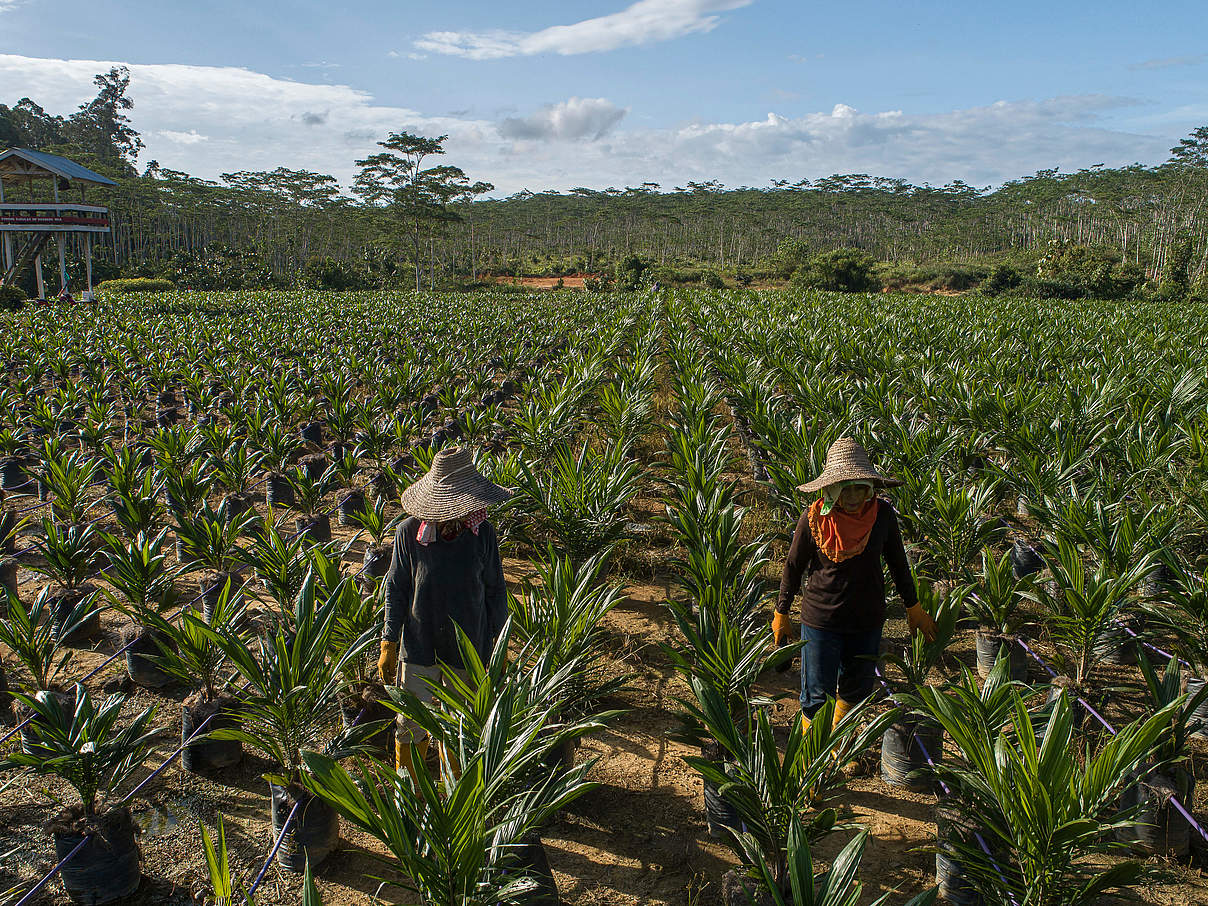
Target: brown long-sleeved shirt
847	596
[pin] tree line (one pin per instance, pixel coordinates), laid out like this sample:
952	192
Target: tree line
407	222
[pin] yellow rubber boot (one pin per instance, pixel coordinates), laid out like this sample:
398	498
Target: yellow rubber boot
402	755
841	711
842	708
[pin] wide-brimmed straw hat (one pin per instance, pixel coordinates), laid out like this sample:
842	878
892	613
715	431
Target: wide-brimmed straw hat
846	460
453	488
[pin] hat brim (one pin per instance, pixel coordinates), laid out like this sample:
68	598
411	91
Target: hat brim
829	478
437	501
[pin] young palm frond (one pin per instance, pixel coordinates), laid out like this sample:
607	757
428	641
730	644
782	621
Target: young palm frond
579	500
560	615
1045	856
769	788
88	746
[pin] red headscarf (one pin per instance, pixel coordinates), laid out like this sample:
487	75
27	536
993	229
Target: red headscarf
839	535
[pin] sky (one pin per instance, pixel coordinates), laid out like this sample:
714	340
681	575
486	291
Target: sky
597	93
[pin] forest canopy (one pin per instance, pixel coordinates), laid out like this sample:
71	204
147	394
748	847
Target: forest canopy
1099	229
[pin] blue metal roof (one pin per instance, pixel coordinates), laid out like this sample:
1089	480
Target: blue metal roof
60	166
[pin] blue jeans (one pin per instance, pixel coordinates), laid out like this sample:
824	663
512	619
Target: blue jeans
837	665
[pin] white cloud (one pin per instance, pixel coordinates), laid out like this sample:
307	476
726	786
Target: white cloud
192	137
1170	62
572	119
246	120
644	22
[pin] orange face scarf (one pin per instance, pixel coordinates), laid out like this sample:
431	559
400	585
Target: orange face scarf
841	536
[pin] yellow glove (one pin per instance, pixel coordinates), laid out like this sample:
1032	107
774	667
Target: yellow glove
388	663
782	628
920	620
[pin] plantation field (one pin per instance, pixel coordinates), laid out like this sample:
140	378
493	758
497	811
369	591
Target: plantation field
223	470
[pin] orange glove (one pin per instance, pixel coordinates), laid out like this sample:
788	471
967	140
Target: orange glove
920	620
388	663
782	628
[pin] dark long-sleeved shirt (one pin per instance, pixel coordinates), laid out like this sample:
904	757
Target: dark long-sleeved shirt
847	596
431	587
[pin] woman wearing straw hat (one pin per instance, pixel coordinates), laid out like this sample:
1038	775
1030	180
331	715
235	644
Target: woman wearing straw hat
445	572
841	540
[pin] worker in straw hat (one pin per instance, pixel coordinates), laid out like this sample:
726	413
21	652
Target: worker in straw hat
445	572
840	540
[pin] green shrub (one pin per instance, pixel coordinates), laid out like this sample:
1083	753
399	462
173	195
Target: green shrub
11	297
711	280
330	273
843	270
1002	278
629	272
790	256
1070	271
135	285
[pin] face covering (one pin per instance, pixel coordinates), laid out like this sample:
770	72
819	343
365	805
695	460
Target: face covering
841	535
830	493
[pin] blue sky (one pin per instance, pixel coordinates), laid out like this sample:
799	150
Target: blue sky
603	92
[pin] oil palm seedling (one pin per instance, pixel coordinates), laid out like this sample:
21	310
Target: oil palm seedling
469	834
504	470
579	499
69	478
838	886
10	529
344	471
188	654
952	525
1050	856
547	422
14	457
210	543
913	742
1081	607
719	570
727	652
33	638
280	565
769	789
223	885
372	520
138	508
309	490
91	748
175	448
627	410
560	612
995	601
279	447
292	704
357	615
69	556
1184	615
136	571
234	466
1160	828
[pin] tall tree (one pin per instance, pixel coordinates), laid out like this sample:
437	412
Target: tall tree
414	194
101	125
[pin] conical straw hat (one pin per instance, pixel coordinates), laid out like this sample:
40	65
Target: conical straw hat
453	488
846	460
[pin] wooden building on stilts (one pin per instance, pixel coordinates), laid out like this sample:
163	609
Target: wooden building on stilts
27	227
